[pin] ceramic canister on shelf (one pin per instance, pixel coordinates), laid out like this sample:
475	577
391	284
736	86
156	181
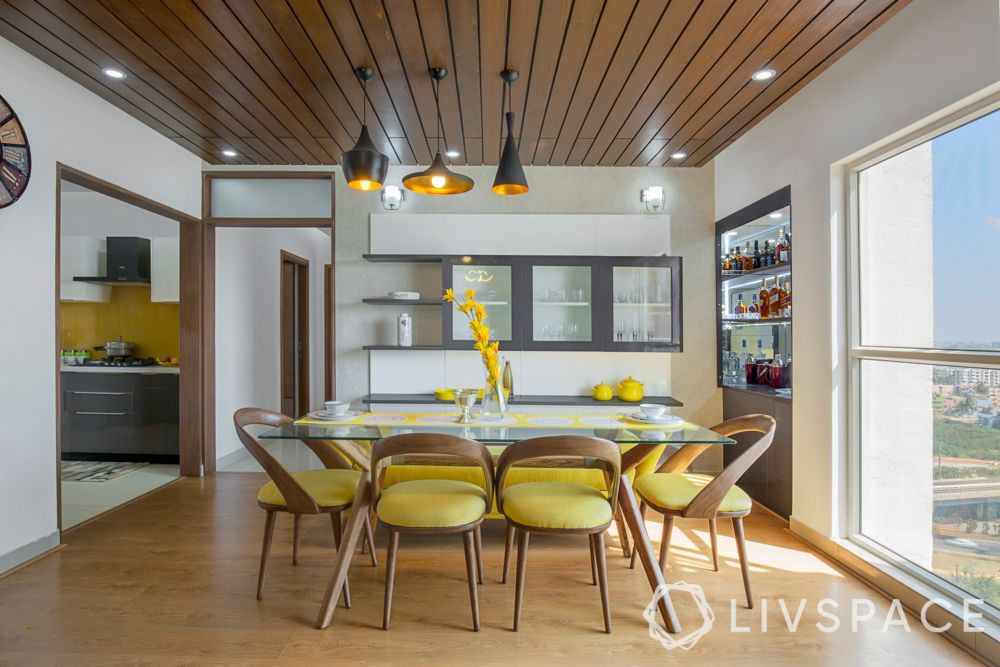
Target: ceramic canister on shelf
404	330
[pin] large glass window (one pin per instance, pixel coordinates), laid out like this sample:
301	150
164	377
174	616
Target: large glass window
926	356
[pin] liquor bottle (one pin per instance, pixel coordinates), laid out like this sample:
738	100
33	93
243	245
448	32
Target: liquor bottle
726	265
766	259
737	261
776	374
773	295
765	300
740	309
781	247
753	312
747	258
749	367
785	300
756	254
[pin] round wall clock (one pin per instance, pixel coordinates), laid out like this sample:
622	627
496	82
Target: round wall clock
15	156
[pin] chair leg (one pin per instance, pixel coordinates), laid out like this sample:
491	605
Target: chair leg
295	538
390	576
597	544
478	539
335	521
471	556
508	547
741	547
370	541
642	517
712	529
265	550
622	533
593	562
668	525
522	565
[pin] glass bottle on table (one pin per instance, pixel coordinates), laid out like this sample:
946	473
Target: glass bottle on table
740	309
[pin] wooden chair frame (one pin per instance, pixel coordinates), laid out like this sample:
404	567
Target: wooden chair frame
593	450
297	499
448	447
705	505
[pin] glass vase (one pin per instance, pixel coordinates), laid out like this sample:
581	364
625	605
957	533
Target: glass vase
494	404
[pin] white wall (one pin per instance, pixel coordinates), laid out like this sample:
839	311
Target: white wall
68	124
247	324
99	216
929	56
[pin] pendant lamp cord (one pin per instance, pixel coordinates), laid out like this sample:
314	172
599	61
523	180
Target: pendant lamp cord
437	105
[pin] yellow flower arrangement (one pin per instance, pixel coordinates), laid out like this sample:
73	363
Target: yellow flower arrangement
476	312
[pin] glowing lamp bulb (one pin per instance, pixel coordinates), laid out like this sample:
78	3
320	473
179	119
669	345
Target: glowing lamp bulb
438	181
364	185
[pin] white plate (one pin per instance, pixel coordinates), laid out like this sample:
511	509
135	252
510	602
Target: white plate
671	420
327	416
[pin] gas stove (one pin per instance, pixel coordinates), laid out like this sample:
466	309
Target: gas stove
121	362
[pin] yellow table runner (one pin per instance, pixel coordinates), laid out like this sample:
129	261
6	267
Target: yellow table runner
511	420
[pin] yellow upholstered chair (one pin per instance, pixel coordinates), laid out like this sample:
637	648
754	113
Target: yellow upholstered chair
675	493
560	507
433	505
327	491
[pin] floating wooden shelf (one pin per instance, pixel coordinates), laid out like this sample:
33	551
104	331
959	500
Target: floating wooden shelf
428	259
397	347
402	302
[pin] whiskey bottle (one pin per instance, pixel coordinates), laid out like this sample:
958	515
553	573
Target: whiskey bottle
737	261
753	312
781	247
747	258
740	309
785	300
773	296
765	300
756	255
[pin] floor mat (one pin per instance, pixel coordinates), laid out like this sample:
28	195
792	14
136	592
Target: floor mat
96	471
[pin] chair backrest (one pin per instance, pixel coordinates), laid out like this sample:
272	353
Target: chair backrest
297	499
706	503
437	444
606	453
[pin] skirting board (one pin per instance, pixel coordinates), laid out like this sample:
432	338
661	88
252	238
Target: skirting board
894	584
235	456
23	554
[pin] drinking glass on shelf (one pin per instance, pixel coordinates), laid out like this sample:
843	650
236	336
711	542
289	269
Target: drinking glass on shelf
649	332
619	330
578	295
621	296
545	332
573	330
560	332
559	295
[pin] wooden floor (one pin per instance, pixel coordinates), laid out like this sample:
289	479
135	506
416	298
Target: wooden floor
170	579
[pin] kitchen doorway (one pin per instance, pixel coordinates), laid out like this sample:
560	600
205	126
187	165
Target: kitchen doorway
294	316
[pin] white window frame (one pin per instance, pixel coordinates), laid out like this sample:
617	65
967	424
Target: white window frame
856	352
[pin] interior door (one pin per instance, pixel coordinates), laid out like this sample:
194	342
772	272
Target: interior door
294	327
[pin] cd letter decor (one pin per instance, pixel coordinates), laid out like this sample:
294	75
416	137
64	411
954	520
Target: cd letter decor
15	156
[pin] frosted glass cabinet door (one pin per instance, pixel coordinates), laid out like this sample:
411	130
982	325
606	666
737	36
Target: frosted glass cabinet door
561	293
496	283
645	304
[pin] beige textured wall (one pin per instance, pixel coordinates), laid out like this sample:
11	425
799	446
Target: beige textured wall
689	200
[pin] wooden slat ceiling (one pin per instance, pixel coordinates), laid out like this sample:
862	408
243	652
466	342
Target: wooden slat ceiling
603	82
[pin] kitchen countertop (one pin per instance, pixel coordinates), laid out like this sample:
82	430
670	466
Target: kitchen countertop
519	399
142	370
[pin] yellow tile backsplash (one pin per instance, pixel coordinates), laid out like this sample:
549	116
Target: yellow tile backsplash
154	327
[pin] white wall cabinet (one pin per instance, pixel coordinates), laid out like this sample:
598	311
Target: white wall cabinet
165	270
81	256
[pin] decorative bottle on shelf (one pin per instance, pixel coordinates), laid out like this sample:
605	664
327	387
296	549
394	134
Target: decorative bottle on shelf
740	309
756	255
785	299
781	247
508	379
753	312
765	300
404	330
747	258
773	296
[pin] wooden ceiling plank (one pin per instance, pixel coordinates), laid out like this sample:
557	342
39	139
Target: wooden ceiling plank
705	19
521	47
432	20
636	41
610	154
583	22
851	31
492	60
553	21
603	47
463	30
667	32
580	149
686	122
370	14
721	39
216	27
317	26
403	150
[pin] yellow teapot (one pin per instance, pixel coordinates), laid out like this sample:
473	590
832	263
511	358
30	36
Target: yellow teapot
630	390
603	392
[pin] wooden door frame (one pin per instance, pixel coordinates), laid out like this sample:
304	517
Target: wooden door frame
329	386
193	247
304	358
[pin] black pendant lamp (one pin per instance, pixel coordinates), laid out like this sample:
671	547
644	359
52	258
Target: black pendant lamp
510	178
438	179
364	166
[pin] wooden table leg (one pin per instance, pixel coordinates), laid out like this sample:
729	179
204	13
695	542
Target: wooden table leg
349	542
641	543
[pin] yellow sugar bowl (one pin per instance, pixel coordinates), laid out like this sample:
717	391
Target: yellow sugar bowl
603	392
630	390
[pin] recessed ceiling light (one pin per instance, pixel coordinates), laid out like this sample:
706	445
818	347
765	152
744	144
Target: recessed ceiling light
113	73
452	153
774	215
229	152
763	74
678	156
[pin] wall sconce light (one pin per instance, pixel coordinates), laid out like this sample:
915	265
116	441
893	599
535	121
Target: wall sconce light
652	198
392	197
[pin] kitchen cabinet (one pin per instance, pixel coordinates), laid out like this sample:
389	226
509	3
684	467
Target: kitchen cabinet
165	268
769	479
497	281
643	296
81	256
559	298
127	416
